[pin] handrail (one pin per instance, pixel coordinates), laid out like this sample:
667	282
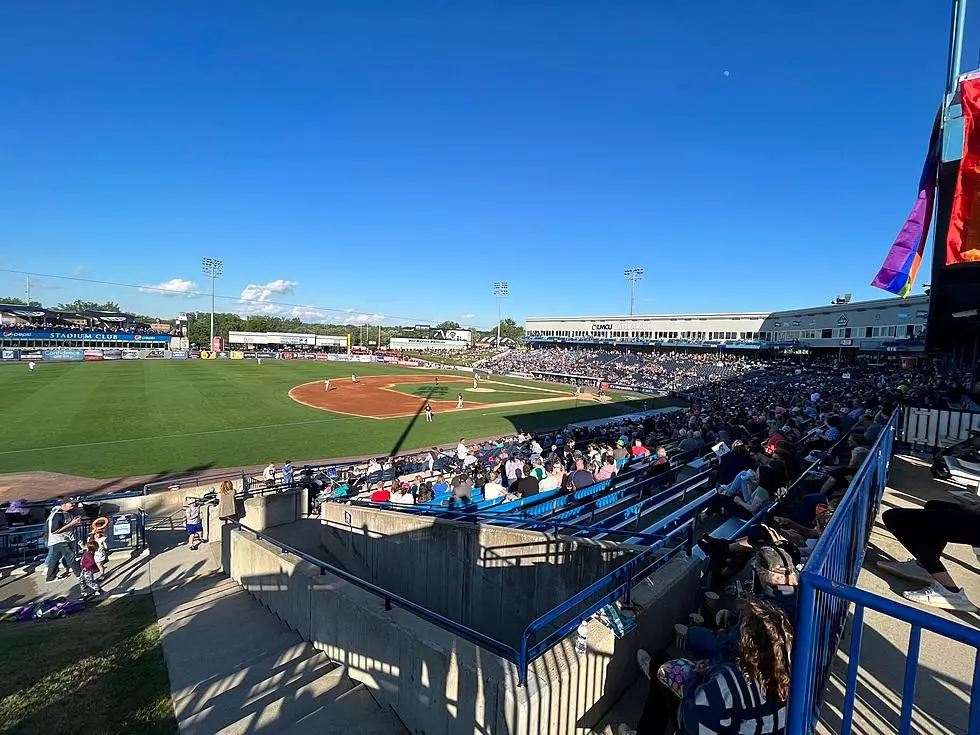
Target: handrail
391	598
531	652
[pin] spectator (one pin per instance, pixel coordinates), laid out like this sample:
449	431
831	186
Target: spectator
287	473
734	462
528	485
493	489
461	450
925	532
402	495
86	580
747	694
607	470
581	477
61	542
380	494
638	449
192	520
269	475
551	481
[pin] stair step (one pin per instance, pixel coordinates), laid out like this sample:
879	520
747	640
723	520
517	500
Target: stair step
276	702
356	711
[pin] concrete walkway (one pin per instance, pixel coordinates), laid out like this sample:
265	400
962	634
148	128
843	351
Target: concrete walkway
236	668
945	672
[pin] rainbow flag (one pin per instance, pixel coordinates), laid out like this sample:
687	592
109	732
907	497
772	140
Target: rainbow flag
902	263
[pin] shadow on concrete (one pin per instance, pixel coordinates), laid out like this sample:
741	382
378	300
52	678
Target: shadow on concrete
941	701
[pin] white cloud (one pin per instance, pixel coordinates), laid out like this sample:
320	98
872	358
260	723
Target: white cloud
468	316
78	270
255	297
260	292
365	319
174	287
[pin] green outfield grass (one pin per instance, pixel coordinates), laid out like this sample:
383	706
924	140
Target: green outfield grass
142	417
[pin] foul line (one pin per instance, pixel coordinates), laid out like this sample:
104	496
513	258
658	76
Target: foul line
173	436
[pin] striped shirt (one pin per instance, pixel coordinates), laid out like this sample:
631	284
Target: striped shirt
726	703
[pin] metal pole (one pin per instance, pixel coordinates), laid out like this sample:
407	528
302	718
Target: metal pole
632	295
212	311
956	35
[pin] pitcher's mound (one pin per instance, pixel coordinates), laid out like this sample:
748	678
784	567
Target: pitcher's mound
481	390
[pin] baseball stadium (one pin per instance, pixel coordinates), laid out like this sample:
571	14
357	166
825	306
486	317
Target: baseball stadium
274	515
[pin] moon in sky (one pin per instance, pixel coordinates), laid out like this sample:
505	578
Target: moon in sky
727	73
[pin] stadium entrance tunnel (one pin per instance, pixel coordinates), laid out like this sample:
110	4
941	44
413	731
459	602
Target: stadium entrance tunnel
495	581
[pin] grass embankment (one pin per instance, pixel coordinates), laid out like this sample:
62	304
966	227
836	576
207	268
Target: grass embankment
97	671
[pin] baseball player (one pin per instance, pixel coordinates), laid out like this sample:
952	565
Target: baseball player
476	380
30	366
326	385
459	401
353	378
428	413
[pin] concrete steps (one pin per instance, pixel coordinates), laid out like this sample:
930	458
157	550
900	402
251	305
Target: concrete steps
627	710
236	668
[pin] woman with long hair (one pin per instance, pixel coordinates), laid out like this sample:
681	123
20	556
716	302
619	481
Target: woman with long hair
747	694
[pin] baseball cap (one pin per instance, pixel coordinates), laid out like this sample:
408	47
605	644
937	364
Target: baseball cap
620	443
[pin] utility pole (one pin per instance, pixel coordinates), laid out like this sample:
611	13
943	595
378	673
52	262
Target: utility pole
212	269
28	291
501	290
633	275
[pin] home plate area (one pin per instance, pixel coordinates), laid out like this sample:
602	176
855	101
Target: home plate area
392	396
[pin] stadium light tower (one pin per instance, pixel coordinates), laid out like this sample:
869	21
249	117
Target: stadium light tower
212	269
501	290
633	275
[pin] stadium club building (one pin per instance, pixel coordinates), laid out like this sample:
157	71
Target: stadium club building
886	325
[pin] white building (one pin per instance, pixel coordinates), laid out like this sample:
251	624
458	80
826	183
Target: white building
862	325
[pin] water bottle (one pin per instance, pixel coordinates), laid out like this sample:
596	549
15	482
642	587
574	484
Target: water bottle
582	638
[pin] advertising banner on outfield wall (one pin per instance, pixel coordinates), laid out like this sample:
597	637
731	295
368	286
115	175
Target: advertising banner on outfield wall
112	354
155	354
339	358
408	363
9	354
63	355
130	354
322	356
92	355
178	355
236	355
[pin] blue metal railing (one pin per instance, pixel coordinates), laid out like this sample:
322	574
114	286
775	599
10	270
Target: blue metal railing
827	591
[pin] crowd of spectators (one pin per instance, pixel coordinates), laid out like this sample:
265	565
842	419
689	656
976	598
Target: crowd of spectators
66	326
669	370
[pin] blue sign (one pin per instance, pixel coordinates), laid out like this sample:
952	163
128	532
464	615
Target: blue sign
63	355
178	355
89	336
9	354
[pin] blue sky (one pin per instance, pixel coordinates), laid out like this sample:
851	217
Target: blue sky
397	158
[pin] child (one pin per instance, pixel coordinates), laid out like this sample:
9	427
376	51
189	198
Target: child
192	517
86	581
101	541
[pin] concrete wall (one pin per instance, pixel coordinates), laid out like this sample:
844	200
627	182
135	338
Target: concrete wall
266	511
492	579
439	684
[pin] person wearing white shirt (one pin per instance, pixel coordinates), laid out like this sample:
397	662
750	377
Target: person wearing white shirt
551	480
493	489
269	474
461	450
402	495
373	467
430	459
535	447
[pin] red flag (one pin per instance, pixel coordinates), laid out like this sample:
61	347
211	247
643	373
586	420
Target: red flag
963	241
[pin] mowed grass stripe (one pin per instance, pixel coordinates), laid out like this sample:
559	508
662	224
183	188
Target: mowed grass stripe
142	417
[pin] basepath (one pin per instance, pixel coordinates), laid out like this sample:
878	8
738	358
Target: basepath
372	396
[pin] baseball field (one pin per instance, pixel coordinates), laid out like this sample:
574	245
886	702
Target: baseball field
142	417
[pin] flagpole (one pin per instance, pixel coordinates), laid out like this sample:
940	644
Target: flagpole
957	32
